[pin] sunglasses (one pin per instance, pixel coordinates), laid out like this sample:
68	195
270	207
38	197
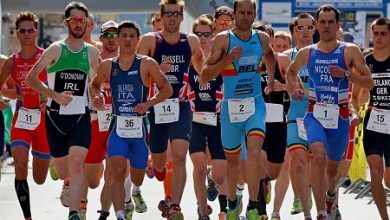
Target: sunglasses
110	35
175	14
224	22
204	34
301	28
27	30
75	20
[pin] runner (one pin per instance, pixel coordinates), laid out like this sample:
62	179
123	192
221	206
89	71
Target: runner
2	127
171	120
243	102
376	137
129	75
87	37
28	125
223	19
157	23
205	103
69	63
326	121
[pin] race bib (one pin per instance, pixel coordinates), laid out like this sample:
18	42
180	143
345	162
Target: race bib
104	119
327	115
129	127
28	119
241	109
379	121
275	112
206	118
167	111
75	107
301	129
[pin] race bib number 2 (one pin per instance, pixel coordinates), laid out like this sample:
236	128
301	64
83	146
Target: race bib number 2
379	121
167	111
28	119
327	115
241	109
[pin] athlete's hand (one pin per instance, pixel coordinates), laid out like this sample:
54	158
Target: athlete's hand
234	54
98	102
336	71
166	66
141	108
63	98
42	106
298	94
3	104
355	119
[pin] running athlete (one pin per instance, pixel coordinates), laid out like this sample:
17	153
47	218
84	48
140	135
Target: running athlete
157	24
238	55
376	136
223	19
70	63
326	121
206	129
303	29
3	104
88	32
171	120
129	75
28	124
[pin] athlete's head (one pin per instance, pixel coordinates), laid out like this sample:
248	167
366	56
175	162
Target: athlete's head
76	18
172	14
157	23
244	14
128	35
264	26
381	32
303	28
26	27
203	28
328	24
90	26
281	41
109	36
223	19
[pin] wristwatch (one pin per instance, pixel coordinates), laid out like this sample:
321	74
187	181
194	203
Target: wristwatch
346	74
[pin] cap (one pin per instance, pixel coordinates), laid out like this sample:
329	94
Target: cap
109	24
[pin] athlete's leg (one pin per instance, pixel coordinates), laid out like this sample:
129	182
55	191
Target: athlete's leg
76	172
179	153
318	166
282	181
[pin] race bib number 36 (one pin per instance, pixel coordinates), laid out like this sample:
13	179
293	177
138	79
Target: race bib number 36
167	111
28	119
379	121
327	115
241	109
129	127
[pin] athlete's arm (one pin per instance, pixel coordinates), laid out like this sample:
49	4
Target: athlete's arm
6	70
93	55
284	62
150	70
293	70
48	57
217	60
269	59
103	73
144	44
197	58
9	88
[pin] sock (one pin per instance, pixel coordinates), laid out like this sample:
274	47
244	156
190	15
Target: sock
262	204
232	204
119	214
23	194
127	186
222	203
136	190
239	189
167	180
252	205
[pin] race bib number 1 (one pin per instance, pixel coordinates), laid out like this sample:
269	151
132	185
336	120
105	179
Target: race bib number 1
129	127
167	111
327	115
28	119
241	109
379	121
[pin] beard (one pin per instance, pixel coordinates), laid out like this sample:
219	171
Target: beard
77	35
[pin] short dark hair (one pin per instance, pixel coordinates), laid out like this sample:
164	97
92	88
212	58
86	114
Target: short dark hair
294	21
155	18
328	7
129	24
264	26
203	20
236	2
26	16
223	10
76	5
381	21
171	2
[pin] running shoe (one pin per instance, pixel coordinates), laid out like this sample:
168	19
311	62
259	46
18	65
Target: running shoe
322	217
52	171
263	217
209	211
175	213
232	214
74	216
297	207
164	206
212	188
252	214
331	206
275	216
65	193
140	205
129	209
83	210
103	215
338	214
